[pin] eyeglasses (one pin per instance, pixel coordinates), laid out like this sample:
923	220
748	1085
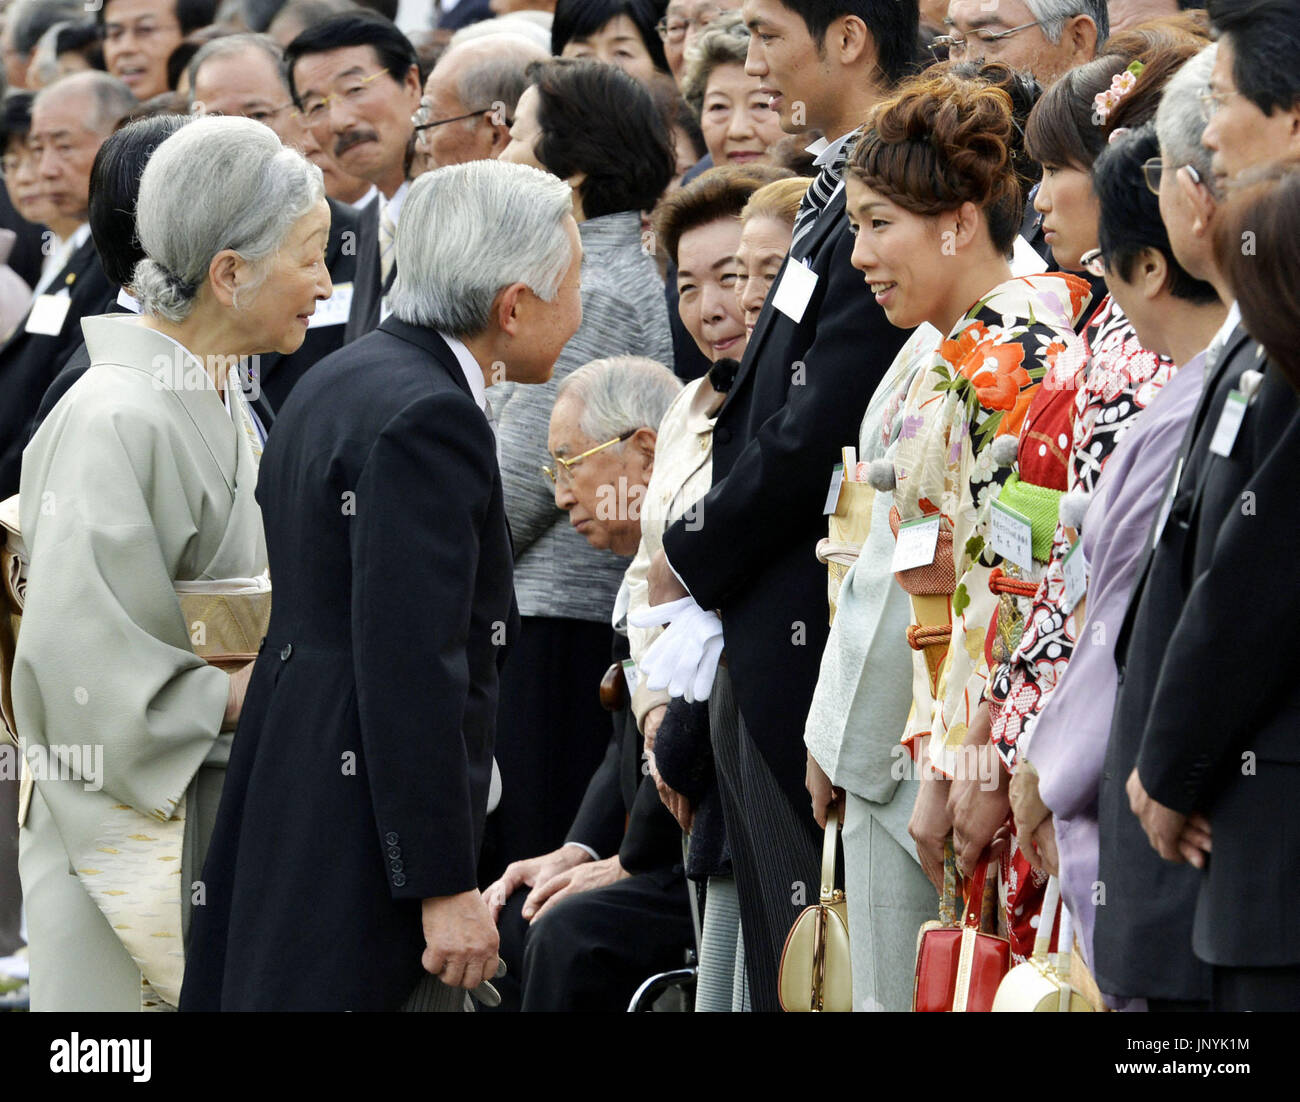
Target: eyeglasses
674	30
956	43
421	121
1093	263
1212	102
563	471
316	110
1153	171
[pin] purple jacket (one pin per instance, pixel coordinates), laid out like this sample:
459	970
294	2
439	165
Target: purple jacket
1070	740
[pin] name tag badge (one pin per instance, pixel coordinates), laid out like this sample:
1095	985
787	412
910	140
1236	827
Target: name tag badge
334	310
1225	433
48	313
917	542
1075	566
833	494
631	674
1011	535
791	296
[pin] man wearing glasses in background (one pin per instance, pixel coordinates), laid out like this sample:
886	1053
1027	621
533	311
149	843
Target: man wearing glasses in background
1044	37
356	82
139	36
243	74
681	25
469	100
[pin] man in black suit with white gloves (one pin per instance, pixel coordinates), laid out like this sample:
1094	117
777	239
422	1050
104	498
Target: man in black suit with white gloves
341	873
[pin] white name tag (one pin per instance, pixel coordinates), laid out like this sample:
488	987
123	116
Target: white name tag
1075	566
631	674
1011	535
1225	433
917	542
334	310
47	314
791	296
833	494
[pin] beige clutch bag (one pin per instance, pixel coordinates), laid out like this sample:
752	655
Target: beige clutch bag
1043	983
816	975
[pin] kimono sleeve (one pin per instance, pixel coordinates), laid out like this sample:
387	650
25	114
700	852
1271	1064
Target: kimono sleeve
104	660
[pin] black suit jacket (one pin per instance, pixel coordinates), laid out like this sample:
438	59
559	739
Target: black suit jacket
749	550
280	373
1222	736
367	288
358	781
29	361
1142	938
621	810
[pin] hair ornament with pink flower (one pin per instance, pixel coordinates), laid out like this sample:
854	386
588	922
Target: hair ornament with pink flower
1120	86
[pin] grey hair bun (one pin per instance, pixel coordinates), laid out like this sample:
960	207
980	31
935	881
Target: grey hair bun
162	293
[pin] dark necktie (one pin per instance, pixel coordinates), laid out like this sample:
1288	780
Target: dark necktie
819	194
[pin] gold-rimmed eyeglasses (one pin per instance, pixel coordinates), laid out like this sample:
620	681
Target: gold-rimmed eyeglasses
563	469
955	44
316	109
1153	170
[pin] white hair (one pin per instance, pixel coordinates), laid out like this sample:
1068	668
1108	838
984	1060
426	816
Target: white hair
469	230
1179	122
620	393
535	26
110	99
1052	15
218	183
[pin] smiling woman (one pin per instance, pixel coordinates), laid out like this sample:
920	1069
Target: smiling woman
152	456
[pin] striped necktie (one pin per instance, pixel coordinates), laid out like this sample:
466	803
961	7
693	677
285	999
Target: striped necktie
387	245
819	193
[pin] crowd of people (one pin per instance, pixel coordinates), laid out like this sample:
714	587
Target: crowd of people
483	497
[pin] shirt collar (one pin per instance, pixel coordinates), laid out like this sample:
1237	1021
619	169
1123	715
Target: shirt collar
470	366
621	228
366	199
394	205
128	301
825	151
1220	338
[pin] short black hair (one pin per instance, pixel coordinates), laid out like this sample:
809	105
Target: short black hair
15	114
596	119
33	20
359	28
1130	214
84	38
894	26
1265	39
190	14
580	18
114	188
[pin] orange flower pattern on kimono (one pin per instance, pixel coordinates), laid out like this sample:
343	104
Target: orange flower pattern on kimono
978	386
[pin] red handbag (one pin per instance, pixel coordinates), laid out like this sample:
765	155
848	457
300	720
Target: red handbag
958	968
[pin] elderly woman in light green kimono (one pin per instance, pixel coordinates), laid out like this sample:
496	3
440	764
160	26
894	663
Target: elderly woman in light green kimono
137	489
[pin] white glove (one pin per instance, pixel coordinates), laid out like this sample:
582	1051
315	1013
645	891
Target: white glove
684	659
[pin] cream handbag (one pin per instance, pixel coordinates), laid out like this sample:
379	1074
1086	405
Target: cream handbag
1042	984
816	975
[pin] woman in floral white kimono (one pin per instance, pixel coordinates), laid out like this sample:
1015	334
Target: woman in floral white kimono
141	479
936	208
